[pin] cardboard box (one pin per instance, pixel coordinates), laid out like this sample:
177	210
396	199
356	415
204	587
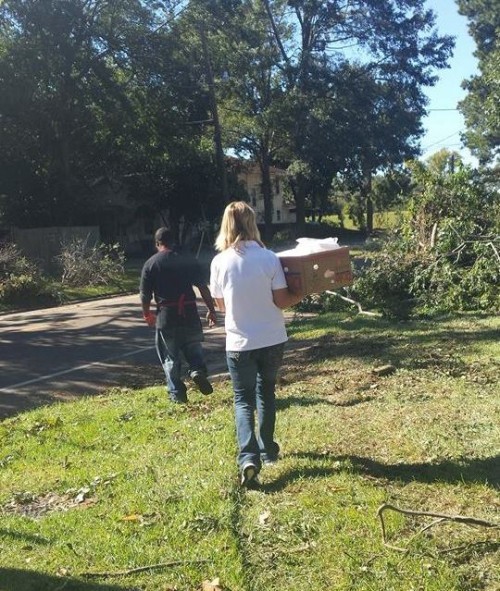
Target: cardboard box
318	272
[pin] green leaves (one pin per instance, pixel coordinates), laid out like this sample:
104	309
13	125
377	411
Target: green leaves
445	256
481	105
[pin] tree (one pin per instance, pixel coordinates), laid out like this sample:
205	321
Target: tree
392	189
96	91
396	38
481	106
383	133
61	75
249	89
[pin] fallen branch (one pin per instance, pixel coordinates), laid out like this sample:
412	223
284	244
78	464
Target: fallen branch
469	546
140	569
433	234
439	518
354	303
494	250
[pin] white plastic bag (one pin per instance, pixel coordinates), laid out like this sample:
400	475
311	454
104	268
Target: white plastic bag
311	246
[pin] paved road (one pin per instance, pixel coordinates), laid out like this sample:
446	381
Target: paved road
65	352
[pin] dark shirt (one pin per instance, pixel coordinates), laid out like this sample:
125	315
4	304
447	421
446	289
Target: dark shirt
168	277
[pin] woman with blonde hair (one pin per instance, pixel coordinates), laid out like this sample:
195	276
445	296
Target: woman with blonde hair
248	284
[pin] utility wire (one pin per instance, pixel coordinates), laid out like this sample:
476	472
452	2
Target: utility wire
441	140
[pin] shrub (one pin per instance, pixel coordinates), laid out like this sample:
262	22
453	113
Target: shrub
445	256
88	265
21	282
387	284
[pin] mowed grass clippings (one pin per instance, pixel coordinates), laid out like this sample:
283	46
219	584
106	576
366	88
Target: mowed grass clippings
126	480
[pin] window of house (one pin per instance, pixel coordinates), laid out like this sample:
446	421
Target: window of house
278	215
277	185
253	194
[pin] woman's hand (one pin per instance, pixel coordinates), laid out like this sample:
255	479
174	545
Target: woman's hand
212	318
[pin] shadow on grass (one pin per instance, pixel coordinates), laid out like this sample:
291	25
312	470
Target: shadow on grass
13	579
298	474
410	346
395	347
31	538
289	401
486	471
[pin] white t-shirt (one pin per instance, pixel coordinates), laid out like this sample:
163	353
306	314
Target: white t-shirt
245	280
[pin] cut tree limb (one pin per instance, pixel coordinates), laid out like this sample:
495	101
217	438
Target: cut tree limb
439	518
354	303
140	569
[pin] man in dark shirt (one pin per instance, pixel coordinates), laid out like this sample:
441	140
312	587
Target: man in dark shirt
168	277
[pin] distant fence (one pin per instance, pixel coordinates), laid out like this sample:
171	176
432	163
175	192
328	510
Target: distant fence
43	245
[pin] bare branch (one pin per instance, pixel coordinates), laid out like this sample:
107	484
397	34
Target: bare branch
139	569
276	32
354	303
494	250
433	234
440	518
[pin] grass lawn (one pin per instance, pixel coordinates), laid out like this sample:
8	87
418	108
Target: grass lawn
129	282
382	220
125	480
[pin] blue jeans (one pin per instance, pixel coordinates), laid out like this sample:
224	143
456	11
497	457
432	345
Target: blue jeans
253	374
171	345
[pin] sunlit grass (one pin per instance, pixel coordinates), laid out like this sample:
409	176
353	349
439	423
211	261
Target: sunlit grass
127	283
126	480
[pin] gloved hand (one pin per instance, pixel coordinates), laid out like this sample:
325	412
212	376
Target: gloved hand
150	318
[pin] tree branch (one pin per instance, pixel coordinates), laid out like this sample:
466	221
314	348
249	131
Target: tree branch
494	250
440	518
139	569
354	303
275	31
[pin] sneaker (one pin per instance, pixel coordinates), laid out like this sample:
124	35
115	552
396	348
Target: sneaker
249	476
202	383
269	460
270	457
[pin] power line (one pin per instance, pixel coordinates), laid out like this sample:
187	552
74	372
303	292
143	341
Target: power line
441	140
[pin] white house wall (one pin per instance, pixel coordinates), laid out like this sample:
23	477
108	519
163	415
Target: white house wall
252	181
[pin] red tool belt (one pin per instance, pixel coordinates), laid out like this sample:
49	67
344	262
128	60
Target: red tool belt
180	304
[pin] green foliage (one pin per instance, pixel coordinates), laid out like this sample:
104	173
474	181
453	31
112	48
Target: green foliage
95	96
21	283
445	256
481	106
387	283
84	264
391	190
468	279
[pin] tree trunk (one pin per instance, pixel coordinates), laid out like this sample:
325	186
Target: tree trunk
300	206
367	195
219	152
267	193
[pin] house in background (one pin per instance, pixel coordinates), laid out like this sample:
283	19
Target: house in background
250	177
134	227
131	225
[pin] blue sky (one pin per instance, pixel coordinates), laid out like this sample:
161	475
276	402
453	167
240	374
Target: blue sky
443	126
